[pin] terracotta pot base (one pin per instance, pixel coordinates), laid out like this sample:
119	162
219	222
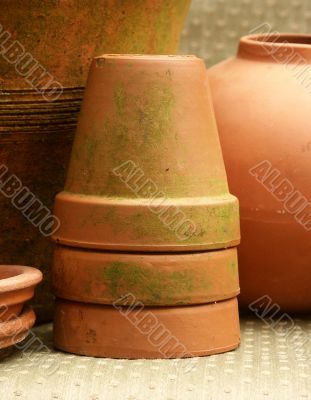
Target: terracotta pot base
17	285
154	279
168	332
16	330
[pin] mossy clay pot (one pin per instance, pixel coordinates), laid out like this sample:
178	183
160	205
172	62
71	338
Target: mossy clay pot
57	40
154	279
146	170
151	332
16	330
17	285
64	36
262	101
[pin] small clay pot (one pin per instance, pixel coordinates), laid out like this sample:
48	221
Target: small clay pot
146	170
154	332
262	101
17	285
155	279
16	329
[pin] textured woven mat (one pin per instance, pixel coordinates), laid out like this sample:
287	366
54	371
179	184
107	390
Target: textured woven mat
266	366
214	27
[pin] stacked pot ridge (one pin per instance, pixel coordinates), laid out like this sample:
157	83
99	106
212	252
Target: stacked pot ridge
148	227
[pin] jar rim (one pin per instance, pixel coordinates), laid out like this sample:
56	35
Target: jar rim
284	45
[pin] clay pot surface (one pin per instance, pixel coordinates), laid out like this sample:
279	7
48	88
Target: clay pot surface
50	44
15	330
262	104
17	285
155	332
154	279
146	170
64	36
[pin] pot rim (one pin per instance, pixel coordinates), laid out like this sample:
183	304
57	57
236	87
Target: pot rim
210	275
269	44
22	277
17	327
147	57
104	236
198	330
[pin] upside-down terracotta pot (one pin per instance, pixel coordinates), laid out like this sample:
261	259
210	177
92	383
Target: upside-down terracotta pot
17	285
154	279
46	50
150	332
15	330
146	170
262	101
146	176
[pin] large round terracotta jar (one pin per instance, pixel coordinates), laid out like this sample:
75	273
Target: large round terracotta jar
262	101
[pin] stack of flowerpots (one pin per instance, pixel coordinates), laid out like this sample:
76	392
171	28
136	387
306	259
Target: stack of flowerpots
17	285
145	264
46	50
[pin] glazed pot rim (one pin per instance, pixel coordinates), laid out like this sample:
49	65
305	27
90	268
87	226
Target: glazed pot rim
268	44
21	278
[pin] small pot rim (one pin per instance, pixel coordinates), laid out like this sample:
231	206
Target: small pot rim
16	328
267	44
22	277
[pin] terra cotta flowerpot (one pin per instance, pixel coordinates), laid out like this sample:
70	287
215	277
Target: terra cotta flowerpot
262	101
146	170
49	45
17	285
64	36
155	279
153	332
